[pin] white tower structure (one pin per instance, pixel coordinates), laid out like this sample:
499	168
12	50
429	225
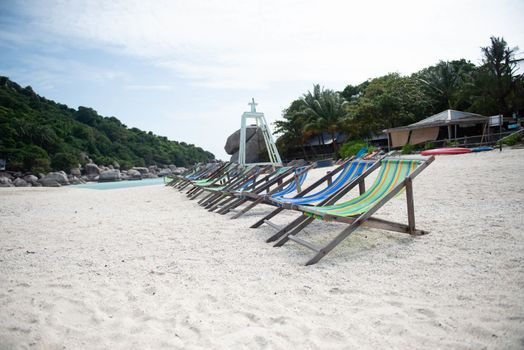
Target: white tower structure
260	121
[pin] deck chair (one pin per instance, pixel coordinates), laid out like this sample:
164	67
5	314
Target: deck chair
394	176
208	171
262	185
348	175
243	181
229	175
291	185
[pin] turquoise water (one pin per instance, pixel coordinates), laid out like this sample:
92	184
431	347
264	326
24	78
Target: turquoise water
120	184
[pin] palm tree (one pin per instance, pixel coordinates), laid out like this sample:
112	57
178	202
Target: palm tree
324	110
500	66
445	80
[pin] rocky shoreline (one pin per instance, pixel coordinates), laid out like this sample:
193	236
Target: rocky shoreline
91	172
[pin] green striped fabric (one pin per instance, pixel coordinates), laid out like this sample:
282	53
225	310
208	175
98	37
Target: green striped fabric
392	172
274	174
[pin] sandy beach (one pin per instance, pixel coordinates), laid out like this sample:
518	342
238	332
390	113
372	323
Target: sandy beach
146	268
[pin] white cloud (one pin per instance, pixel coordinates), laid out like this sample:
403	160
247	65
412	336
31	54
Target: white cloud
242	44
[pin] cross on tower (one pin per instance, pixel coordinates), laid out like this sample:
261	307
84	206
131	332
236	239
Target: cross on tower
253	105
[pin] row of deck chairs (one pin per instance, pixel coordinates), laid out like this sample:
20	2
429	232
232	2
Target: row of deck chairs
225	187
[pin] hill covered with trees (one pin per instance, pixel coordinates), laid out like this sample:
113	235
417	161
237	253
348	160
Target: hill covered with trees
39	135
496	86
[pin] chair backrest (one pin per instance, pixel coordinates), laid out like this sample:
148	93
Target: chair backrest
351	171
301	172
391	173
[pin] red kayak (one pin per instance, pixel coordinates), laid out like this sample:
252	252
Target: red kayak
452	150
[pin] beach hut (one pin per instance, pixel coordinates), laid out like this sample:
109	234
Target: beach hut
446	125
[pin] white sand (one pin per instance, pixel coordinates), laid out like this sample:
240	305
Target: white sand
145	268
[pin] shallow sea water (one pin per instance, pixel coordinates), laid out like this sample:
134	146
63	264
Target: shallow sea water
120	184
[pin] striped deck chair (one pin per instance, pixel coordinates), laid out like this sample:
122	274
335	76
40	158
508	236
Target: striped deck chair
208	171
395	175
243	181
263	185
293	184
350	174
219	178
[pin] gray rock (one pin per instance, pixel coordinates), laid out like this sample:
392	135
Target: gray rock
6	175
76	172
134	174
116	165
165	172
31	179
49	182
109	175
19	182
172	167
5	182
142	170
255	145
92	170
233	141
75	180
58	176
179	171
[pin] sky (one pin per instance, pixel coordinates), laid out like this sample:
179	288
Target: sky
188	69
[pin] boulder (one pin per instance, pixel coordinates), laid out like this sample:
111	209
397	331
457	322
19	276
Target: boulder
75	172
142	170
165	172
92	170
19	182
109	175
116	165
255	145
172	167
179	171
6	175
49	182
5	182
134	174
31	179
233	141
75	180
58	176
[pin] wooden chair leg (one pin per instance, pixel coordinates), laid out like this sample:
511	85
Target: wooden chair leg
267	217
410	205
292	229
248	208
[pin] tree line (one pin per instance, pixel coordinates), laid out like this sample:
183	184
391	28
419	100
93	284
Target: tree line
361	111
39	135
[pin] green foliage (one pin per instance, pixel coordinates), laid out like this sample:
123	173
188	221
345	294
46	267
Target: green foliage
511	140
351	148
64	161
451	143
429	145
408	148
39	135
392	100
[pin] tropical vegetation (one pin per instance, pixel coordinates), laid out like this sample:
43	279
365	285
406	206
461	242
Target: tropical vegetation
38	135
363	111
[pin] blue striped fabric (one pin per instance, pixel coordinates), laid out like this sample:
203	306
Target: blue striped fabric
291	187
351	171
